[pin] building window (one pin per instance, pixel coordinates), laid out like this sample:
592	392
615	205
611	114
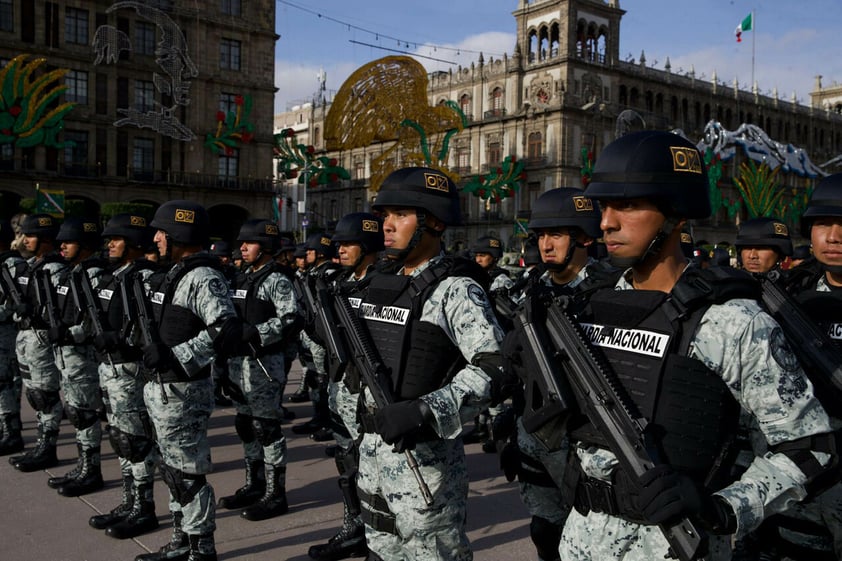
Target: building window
7	16
534	148
229	54
76	26
228	103
144	43
143	158
77	86
495	153
497	99
144	96
76	153
359	169
232	7
465	105
229	163
51	23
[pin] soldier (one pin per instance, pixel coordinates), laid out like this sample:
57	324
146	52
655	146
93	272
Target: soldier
195	320
763	244
222	250
11	440
721	358
487	252
566	224
266	303
36	356
301	393
359	240
80	244
800	253
122	378
432	324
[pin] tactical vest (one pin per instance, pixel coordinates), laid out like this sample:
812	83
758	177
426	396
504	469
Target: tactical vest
824	308
28	283
70	312
114	313
4	255
645	335
419	355
250	308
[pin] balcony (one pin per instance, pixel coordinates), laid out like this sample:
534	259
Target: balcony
494	113
463	170
201	180
535	161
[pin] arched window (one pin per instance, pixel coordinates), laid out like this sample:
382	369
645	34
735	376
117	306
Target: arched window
535	146
465	105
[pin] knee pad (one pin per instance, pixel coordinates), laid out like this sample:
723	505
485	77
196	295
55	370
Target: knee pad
244	428
267	431
183	486
546	536
80	418
133	447
42	401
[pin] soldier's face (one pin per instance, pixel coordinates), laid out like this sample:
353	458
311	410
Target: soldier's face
251	252
760	259
30	243
399	225
484	260
160	240
69	250
826	237
629	226
116	248
349	253
554	244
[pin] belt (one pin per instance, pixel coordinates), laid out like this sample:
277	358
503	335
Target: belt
376	514
601	496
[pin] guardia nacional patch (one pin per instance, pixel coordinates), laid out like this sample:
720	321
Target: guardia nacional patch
781	351
217	287
477	295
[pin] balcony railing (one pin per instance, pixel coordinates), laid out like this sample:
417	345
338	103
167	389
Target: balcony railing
201	180
494	113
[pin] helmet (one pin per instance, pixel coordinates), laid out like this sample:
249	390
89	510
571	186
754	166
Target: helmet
489	245
360	227
130	227
39	225
826	200
720	257
265	232
7	233
801	252
220	249
653	165
764	231
300	251
86	232
565	207
421	188
185	222
687	244
531	253
321	243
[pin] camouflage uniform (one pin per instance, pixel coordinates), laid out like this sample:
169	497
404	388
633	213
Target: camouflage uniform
743	345
10	380
386	484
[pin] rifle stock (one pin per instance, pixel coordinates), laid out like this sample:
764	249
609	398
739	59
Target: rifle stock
9	286
315	292
47	302
83	296
146	326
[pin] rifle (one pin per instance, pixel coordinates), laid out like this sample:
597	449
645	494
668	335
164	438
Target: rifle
47	302
820	358
374	372
602	399
83	296
9	287
315	292
148	330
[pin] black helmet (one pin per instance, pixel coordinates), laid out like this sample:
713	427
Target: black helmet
531	253
300	251
653	165
421	188
320	243
42	226
565	207
801	252
720	257
688	246
220	249
764	231
7	233
185	222
360	227
826	200
83	231
130	227
489	245
262	231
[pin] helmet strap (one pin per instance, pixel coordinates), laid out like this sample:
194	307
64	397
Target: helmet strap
571	249
652	251
420	228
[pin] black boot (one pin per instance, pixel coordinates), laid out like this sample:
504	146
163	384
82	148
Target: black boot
141	519
89	478
177	550
202	548
56	482
11	440
274	500
249	493
42	456
309	427
118	513
349	541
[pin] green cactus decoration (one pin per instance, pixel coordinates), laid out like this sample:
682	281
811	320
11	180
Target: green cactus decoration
759	188
587	165
713	163
791	212
299	160
502	182
233	129
25	117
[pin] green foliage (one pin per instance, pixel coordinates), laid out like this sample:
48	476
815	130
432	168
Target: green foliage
760	189
109	210
500	183
299	160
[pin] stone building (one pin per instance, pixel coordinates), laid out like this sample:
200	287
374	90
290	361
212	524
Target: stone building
564	91
170	100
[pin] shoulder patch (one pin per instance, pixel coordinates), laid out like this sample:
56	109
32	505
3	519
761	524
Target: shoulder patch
477	295
218	287
781	351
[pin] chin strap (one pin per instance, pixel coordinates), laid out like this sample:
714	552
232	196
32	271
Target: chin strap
652	251
420	228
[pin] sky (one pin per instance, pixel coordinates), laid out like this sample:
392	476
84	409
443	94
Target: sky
793	41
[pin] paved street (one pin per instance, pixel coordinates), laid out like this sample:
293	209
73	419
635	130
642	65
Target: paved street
38	524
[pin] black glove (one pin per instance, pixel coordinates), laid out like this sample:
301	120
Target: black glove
227	337
667	496
400	421
510	460
250	334
24	309
157	356
57	334
106	341
512	350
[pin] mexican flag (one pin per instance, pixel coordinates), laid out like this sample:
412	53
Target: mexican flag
745	25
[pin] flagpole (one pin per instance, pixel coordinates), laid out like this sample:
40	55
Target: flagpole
753	35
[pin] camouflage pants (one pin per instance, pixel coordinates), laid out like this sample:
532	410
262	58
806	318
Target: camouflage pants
181	428
344	404
421	531
126	411
262	398
10	381
542	500
39	372
80	385
824	510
